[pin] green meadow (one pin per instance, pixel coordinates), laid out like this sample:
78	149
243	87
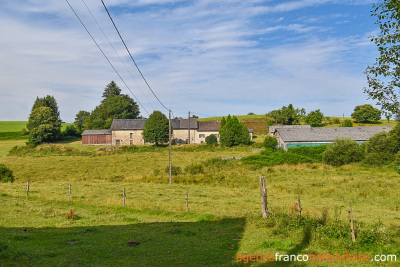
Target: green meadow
224	219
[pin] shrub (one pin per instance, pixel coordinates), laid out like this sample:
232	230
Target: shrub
314	152
347	123
342	151
211	140
194	168
270	143
71	130
175	170
6	175
380	149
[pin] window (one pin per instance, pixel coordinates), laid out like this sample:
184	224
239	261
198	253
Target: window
202	136
117	142
131	135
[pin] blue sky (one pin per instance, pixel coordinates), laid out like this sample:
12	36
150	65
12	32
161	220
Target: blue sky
209	57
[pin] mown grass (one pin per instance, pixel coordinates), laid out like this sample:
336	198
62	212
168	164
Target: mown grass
224	217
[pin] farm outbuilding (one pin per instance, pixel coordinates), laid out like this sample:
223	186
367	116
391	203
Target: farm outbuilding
96	137
296	137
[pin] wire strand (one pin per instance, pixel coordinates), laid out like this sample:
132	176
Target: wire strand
73	10
115	26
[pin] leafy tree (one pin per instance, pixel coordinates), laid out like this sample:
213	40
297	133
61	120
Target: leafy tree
80	119
156	128
342	151
232	132
114	106
47	101
366	113
314	118
347	123
43	125
380	149
72	131
384	75
287	115
211	140
270	143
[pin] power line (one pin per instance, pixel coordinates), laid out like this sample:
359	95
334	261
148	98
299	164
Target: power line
117	54
109	15
73	10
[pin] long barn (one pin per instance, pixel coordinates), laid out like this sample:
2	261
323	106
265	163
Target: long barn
97	137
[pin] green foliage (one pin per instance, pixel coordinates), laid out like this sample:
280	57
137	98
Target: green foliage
44	122
347	123
6	175
72	131
366	113
12	136
45	151
232	132
314	152
211	140
342	151
269	158
270	143
80	119
156	128
114	106
380	149
314	118
194	168
384	75
175	170
43	125
287	115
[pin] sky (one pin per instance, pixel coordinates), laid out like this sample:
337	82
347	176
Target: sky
209	57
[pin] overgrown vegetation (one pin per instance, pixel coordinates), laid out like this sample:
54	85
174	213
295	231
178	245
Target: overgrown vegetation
6	175
343	151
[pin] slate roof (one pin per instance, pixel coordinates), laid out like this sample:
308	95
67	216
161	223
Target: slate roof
209	125
329	134
128	124
96	132
274	127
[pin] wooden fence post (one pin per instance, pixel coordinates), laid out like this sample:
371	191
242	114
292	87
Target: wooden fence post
123	197
69	193
27	188
299	206
353	236
187	200
264	197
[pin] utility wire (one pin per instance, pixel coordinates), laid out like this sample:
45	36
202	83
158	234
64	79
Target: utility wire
117	54
132	57
73	10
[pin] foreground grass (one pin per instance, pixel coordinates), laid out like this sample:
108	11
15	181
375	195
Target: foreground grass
224	217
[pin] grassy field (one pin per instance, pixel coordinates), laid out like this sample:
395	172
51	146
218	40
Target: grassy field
154	229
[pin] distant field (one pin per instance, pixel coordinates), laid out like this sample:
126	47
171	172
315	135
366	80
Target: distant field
12	126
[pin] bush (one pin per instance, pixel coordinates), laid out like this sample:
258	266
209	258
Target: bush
6	175
347	123
380	149
175	170
314	152
342	151
72	131
194	168
270	143
211	140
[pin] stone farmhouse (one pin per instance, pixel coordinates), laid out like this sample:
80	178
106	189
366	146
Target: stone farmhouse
307	136
129	132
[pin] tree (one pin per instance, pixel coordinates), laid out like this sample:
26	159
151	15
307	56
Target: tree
111	89
211	140
114	106
47	101
287	115
156	128
314	118
232	132
270	143
80	119
342	151
384	75
43	125
380	149
366	113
